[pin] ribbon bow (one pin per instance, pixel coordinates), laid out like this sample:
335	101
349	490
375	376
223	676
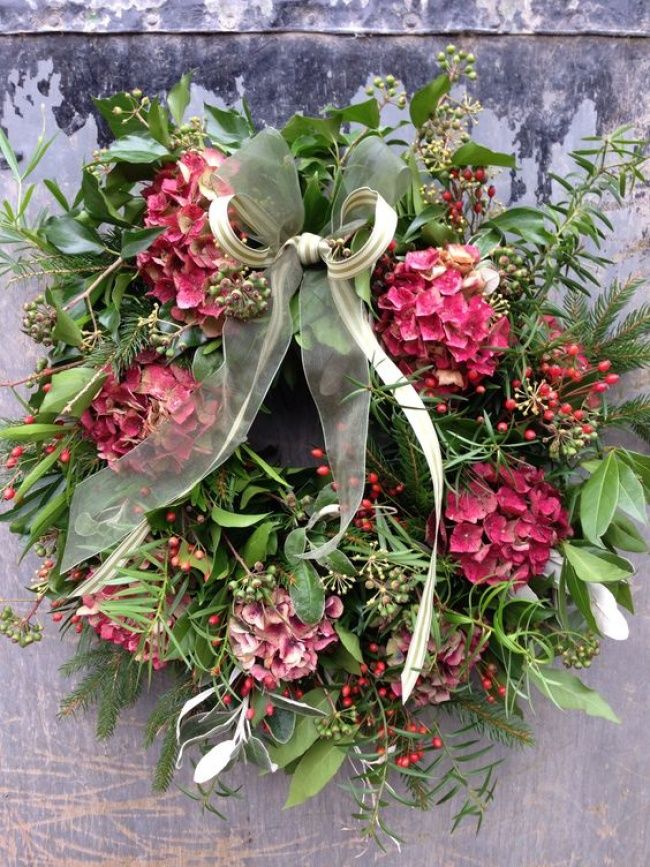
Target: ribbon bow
338	345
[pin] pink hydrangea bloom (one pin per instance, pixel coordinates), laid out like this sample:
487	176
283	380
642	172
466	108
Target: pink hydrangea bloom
434	315
444	670
179	263
272	644
505	524
126	411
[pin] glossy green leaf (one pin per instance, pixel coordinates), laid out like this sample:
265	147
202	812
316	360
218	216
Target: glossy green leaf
580	595
134	242
624	535
282	724
73	390
226	126
300	125
350	641
232	519
178	98
307	592
366	113
306	732
602	567
425	101
599	498
66	329
41	469
257	544
473	154
631	499
528	223
140	149
569	693
314	771
70	236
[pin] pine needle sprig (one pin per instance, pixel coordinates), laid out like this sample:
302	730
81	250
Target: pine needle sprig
491	721
633	413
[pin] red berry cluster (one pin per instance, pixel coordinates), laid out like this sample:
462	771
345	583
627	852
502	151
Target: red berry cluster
467	191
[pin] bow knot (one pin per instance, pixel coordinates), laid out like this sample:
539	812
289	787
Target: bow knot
310	248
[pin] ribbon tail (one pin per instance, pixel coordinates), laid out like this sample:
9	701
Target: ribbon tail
337	375
203	433
418	417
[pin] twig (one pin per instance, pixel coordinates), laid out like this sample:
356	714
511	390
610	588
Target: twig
87	292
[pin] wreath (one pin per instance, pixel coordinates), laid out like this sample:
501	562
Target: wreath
448	550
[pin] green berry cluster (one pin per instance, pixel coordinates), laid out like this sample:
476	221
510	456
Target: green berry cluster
256	585
514	274
19	630
579	653
457	62
389	89
391	587
190	136
39	320
337	726
244	294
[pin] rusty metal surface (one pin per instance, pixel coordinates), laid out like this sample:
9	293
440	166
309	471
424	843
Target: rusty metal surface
582	798
328	16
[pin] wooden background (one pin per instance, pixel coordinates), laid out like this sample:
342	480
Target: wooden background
550	71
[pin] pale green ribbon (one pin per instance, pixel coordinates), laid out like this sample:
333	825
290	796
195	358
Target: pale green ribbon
338	345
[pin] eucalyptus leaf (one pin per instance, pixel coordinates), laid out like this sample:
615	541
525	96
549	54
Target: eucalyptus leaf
569	693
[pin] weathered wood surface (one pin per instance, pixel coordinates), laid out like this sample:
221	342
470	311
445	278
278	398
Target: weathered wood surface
582	798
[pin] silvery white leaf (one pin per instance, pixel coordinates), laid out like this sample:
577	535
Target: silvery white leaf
524	592
256	752
189	705
607	614
214	762
299	707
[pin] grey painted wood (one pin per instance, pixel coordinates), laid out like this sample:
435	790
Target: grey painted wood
582	798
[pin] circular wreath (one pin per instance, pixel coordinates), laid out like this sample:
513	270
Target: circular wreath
401	595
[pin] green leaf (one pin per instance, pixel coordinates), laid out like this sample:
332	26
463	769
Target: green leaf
227	126
305	733
140	149
37	472
74	389
316	206
97	202
257	544
70	236
307	592
631	499
66	329
45	518
9	155
206	360
56	191
178	98
256	752
624	535
350	641
580	595
528	223
366	113
232	519
26	433
282	724
602	567
314	771
473	154
569	693
134	242
599	498
425	101
299	125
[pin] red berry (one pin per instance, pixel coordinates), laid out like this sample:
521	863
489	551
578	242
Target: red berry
372	478
9	493
573	349
549	415
566	409
491	191
441	408
348	702
346	690
447	196
510	404
250	713
436	743
17	452
502	427
382	692
490	699
47	387
414	758
529	435
612	378
269	710
170	517
373	647
29	419
64	457
502	691
468	174
323	470
11	463
587	429
186	567
603	366
480	389
487	683
227	699
600	387
175	562
269	681
213	619
478	208
579	414
479	175
317	453
58	617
